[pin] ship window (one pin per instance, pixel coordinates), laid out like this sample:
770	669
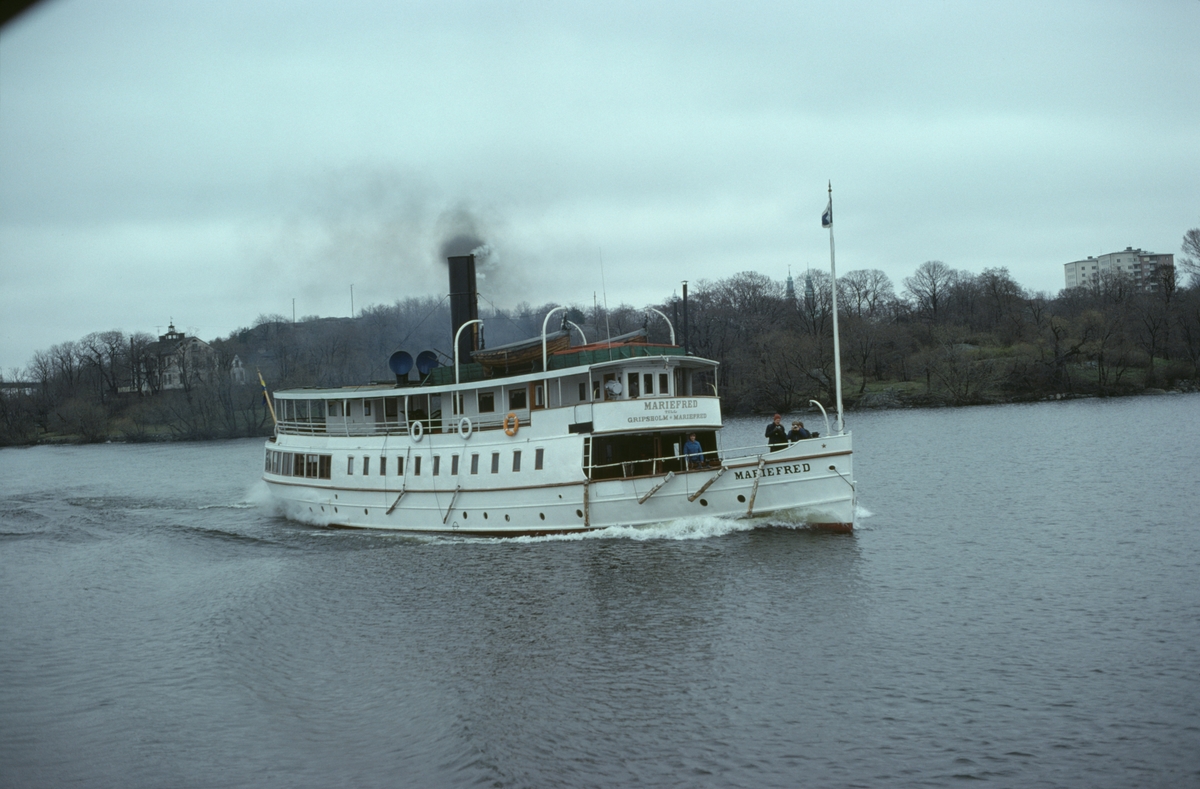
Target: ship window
595	390
457	403
474	464
664	383
437	465
495	462
454	465
298	466
539	397
366	407
383	465
538	456
366	466
516	399
399	466
633	385
268	461
350	466
583	390
324	467
335	408
285	464
487	402
417	466
516	460
648	383
391	409
310	466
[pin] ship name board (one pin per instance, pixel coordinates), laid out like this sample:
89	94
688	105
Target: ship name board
668	411
669	405
773	471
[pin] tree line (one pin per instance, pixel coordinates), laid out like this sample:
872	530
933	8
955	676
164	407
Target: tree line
942	337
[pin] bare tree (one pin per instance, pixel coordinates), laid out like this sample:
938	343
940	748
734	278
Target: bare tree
1190	262
866	293
927	288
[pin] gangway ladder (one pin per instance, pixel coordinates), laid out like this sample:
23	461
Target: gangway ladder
706	485
670	476
403	480
454	498
762	461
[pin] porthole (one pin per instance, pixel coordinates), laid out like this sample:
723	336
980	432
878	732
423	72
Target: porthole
335	509
506	518
464	515
741	498
364	510
833	468
560	495
703	502
579	513
485	516
542	515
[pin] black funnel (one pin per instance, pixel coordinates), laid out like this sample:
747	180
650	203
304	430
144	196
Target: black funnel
464	304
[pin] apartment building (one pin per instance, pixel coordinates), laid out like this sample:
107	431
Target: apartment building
1143	268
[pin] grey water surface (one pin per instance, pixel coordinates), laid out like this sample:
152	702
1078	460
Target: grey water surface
1019	604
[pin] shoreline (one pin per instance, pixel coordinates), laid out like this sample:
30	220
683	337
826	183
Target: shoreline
890	399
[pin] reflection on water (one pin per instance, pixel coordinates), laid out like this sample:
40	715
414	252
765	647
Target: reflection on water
1016	604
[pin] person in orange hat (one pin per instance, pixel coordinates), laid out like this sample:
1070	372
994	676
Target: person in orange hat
776	434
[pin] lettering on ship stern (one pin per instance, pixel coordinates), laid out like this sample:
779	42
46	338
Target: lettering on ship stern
773	471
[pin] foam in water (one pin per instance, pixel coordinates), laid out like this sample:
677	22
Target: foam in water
259	495
690	528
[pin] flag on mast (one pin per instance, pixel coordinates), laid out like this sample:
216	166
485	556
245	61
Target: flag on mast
827	217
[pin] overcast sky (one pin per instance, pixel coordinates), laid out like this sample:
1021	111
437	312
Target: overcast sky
210	162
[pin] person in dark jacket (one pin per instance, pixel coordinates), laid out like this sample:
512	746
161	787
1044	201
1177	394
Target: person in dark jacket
798	432
776	435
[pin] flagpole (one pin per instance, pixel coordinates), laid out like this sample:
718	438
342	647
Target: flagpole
837	350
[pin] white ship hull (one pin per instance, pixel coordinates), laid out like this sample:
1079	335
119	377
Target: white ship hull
810	481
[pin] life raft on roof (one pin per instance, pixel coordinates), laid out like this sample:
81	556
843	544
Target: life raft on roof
632	338
521	356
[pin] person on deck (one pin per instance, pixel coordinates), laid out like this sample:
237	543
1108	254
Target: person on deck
693	452
798	432
776	435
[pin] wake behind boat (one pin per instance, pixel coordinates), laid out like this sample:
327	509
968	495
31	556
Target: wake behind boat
540	437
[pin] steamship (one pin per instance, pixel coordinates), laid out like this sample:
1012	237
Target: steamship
540	437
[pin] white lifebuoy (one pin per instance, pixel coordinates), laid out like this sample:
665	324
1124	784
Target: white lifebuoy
416	431
465	428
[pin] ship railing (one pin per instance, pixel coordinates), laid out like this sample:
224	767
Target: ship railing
301	427
753	451
653	466
391	427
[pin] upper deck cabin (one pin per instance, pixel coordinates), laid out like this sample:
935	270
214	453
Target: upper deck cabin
587	389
